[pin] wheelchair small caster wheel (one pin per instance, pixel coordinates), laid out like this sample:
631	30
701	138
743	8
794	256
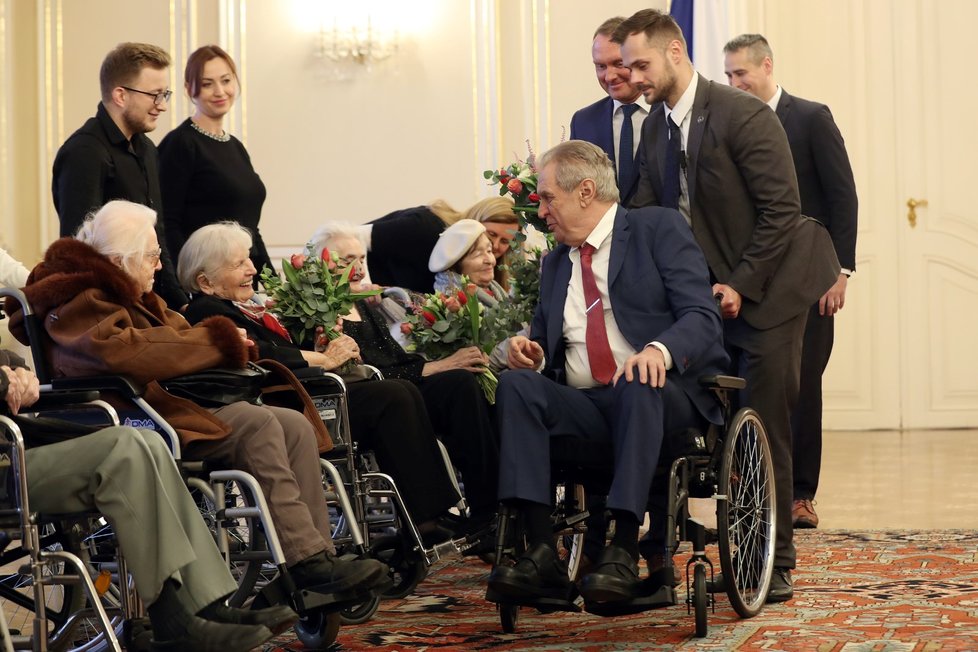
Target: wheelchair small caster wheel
700	599
509	615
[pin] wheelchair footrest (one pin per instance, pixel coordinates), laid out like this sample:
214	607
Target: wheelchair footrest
309	599
543	605
651	596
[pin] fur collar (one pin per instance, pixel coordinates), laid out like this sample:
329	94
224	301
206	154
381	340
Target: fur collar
69	268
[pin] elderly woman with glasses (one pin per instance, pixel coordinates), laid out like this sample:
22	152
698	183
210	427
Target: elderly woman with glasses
386	416
93	295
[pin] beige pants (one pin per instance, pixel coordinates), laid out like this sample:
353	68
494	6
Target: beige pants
129	476
278	447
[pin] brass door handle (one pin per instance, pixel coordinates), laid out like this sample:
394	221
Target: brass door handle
912	204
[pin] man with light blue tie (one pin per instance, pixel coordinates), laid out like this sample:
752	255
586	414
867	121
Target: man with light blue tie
613	123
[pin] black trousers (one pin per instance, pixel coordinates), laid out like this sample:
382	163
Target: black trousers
770	361
389	418
806	420
461	417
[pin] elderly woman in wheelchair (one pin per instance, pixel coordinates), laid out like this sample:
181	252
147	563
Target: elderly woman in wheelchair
386	416
93	295
130	477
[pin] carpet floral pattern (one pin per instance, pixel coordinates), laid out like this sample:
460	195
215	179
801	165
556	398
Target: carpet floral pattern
877	591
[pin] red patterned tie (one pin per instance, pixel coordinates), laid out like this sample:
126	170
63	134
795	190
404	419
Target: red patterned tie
598	350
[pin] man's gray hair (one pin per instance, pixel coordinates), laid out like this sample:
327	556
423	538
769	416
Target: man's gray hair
207	250
120	228
577	160
756	45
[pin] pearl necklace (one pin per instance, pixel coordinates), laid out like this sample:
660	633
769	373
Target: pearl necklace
222	137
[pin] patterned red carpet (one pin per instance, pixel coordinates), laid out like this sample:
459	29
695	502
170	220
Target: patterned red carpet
854	592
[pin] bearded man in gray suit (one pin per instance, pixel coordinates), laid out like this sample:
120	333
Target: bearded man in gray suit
722	158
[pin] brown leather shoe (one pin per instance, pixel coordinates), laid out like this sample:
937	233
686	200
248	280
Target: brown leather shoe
803	514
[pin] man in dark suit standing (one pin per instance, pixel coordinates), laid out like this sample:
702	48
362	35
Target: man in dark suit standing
613	123
625	327
722	158
110	156
828	193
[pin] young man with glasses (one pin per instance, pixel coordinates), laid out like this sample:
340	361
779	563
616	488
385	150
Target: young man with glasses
110	156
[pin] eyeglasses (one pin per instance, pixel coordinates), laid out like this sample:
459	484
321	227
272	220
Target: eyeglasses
158	98
154	256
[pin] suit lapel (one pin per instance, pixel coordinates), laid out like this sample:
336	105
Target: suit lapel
607	130
784	107
619	244
697	126
555	320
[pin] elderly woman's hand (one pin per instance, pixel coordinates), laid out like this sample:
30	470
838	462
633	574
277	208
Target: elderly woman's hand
23	388
339	351
470	358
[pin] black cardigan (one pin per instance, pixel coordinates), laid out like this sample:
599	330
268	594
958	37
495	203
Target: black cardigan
270	344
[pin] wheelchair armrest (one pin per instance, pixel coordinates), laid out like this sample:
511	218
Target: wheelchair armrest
56	400
118	384
722	382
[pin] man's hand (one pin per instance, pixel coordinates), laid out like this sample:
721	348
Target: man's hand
23	390
650	365
730	301
833	300
524	353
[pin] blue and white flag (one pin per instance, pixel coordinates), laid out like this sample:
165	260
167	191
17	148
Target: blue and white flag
706	26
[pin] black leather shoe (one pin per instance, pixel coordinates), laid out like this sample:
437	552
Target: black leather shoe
331	574
539	573
207	636
277	618
782	588
614	579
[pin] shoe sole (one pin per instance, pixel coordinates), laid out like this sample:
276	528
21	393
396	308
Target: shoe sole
774	599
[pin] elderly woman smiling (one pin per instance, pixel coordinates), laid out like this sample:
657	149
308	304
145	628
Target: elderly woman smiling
94	296
387	416
464	249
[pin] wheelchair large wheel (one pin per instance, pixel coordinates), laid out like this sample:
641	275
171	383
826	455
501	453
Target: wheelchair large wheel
88	540
570	540
406	566
250	561
746	513
318	630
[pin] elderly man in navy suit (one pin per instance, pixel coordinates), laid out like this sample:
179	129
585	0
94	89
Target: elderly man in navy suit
625	327
828	193
613	123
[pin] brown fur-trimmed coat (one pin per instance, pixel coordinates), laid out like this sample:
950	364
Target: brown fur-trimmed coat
96	321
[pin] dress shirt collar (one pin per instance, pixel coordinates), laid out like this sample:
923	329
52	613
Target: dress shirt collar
602	229
617	105
773	102
685	103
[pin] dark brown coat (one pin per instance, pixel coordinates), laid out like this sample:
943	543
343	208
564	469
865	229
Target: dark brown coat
96	321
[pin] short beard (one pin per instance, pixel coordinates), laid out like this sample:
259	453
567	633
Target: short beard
133	125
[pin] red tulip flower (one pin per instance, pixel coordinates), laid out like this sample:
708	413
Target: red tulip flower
406	328
298	260
462	298
325	254
429	317
514	186
535	198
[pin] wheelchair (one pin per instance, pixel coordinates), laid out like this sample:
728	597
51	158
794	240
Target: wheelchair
730	464
371	516
57	580
233	503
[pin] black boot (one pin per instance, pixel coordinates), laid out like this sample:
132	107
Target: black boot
277	618
176	629
330	574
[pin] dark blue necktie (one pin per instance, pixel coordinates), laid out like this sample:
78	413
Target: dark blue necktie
670	180
626	147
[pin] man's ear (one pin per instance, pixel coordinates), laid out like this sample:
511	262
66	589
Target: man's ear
586	191
118	97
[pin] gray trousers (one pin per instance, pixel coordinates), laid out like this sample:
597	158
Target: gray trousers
278	447
130	477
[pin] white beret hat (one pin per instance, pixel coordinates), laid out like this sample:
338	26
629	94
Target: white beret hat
454	243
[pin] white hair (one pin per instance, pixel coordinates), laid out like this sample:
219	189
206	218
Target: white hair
120	228
207	250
